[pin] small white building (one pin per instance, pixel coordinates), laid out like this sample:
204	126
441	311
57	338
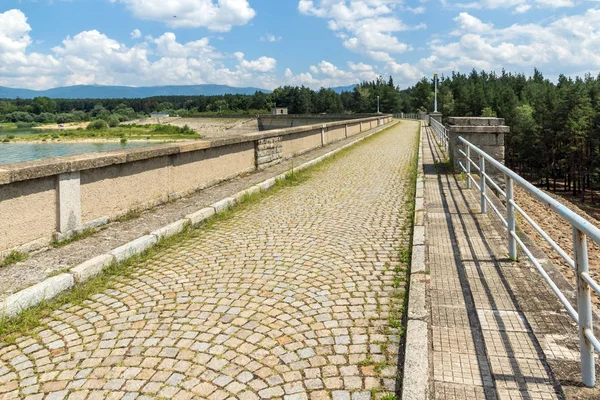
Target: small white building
159	115
279	111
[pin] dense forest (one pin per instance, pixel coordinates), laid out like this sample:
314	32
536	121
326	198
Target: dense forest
555	127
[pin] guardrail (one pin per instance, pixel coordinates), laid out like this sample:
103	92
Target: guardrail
582	229
423	117
440	131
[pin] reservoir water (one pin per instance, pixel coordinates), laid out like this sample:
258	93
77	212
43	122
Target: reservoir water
17	152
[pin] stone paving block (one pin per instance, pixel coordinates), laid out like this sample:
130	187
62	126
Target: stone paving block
417	263
239	197
419	204
450	317
419	236
417	307
201	215
268	184
501	320
130	249
91	268
224	204
419	217
171	229
34	295
98	222
416	366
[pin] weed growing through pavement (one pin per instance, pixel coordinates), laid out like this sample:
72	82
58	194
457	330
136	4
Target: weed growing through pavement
79	236
13	257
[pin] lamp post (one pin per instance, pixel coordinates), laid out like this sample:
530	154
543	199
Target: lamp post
435	79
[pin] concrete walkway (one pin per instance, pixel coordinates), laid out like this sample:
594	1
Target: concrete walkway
289	298
497	331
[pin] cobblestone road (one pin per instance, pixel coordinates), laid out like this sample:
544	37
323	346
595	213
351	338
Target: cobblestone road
287	299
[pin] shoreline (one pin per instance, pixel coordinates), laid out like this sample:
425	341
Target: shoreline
95	141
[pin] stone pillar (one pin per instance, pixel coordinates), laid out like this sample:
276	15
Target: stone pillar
69	204
486	133
437	116
268	152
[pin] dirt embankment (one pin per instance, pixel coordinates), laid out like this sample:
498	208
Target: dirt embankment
68	126
560	231
207	127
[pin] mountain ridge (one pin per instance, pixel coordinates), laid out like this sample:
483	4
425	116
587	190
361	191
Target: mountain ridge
130	92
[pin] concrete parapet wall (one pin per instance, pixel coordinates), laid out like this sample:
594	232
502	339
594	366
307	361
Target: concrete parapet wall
54	198
486	133
267	122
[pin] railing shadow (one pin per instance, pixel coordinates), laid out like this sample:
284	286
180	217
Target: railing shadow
446	179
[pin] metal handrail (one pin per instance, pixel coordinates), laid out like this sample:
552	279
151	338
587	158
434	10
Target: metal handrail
581	230
420	117
440	131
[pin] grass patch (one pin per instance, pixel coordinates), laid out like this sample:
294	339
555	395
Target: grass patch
13	257
131	214
443	167
79	236
32	320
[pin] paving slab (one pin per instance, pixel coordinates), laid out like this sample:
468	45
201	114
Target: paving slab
498	332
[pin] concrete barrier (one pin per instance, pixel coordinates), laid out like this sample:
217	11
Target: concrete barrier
55	198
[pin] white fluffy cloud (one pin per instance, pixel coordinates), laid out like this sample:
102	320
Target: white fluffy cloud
568	44
263	64
92	57
217	16
326	74
519	6
365	26
17	66
468	23
14	31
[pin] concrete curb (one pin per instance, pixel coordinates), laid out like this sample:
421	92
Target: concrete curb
91	268
415	384
35	294
52	287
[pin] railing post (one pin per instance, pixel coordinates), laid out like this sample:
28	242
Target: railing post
510	219
584	309
468	167
483	184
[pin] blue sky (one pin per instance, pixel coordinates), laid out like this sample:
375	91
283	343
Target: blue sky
267	43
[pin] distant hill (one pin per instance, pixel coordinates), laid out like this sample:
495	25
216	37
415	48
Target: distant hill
341	89
125	92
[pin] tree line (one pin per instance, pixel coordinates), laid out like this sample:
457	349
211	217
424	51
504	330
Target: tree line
555	127
299	100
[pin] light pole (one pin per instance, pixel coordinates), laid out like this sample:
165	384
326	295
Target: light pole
377	104
435	78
